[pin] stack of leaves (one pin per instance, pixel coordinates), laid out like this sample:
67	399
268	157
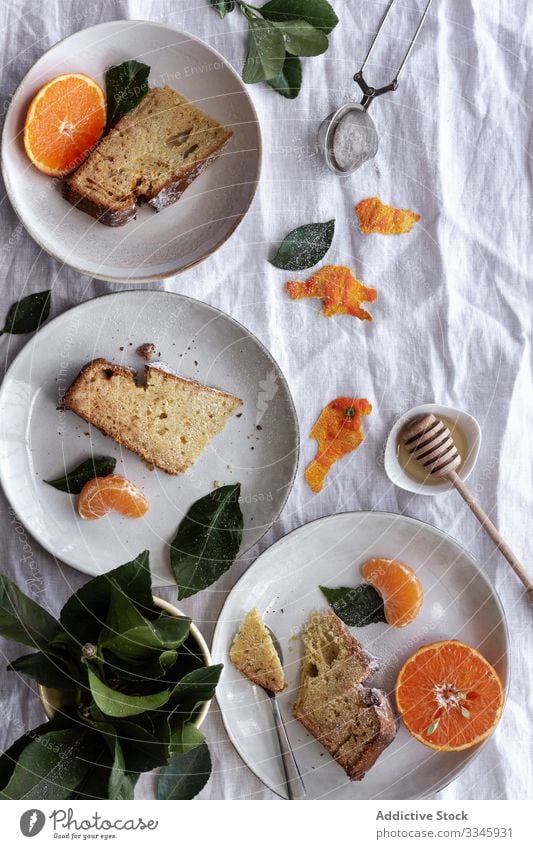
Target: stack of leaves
281	32
131	680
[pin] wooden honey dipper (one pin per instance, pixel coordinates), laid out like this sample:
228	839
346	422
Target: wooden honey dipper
431	444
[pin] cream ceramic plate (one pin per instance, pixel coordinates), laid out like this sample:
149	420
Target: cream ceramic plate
155	245
39	441
459	603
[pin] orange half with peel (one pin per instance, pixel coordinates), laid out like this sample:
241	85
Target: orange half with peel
449	696
64	121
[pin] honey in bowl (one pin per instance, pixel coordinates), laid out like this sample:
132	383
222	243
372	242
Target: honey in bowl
416	471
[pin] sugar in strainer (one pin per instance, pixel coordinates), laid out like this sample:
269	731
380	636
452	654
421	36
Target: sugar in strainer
348	137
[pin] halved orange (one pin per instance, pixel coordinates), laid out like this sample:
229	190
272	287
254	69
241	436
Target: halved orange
64	121
449	696
113	492
399	587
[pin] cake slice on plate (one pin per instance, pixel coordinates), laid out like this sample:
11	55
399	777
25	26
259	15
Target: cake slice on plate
254	654
169	420
353	722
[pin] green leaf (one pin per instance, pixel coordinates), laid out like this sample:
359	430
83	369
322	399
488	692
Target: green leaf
22	619
86	611
207	541
305	246
266	51
52	765
185	737
223	7
185	775
9	759
126	85
142	642
28	314
319	13
197	686
144	748
114	703
302	39
289	80
122	616
152	669
356	606
116	776
74	481
45	669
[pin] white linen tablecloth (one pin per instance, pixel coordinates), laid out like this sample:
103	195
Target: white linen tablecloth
452	323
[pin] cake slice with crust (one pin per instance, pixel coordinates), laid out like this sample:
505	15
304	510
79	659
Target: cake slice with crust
169	420
254	654
353	722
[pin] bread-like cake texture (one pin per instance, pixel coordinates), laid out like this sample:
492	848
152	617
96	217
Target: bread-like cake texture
152	154
353	722
168	420
254	654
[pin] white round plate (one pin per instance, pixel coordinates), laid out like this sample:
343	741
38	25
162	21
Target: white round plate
38	441
154	245
459	603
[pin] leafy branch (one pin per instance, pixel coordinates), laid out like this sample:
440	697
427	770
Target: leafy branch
280	32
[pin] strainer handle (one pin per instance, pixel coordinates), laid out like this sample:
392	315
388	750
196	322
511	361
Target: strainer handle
369	92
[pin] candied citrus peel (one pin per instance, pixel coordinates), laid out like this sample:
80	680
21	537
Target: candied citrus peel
338	430
339	289
377	217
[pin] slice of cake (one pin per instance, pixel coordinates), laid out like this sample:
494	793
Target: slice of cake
353	722
168	420
152	154
254	654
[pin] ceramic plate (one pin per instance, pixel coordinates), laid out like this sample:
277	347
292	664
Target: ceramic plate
38	441
459	603
155	245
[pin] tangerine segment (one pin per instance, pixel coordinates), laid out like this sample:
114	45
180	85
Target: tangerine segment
101	495
64	121
449	696
399	587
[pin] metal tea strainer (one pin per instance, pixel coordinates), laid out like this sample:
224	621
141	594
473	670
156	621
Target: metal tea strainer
348	137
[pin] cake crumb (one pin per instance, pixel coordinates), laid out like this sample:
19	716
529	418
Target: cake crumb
147	350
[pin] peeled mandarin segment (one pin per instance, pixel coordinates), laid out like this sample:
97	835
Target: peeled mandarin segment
338	288
399	587
377	217
101	495
338	430
449	696
64	121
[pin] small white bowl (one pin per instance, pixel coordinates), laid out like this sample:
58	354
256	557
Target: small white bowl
466	423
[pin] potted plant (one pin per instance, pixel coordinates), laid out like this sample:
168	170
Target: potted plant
125	680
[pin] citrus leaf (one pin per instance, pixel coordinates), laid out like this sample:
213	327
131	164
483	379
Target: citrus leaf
74	481
356	606
197	686
142	642
302	39
185	737
318	13
185	774
223	7
144	748
114	703
27	315
22	619
207	541
266	51
126	85
44	669
305	246
289	80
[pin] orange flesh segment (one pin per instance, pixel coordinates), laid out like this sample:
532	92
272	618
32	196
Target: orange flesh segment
338	288
377	217
64	121
101	495
338	430
449	695
399	587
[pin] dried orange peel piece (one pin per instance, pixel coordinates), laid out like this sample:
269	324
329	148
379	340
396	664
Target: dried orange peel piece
338	430
113	492
377	217
339	289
